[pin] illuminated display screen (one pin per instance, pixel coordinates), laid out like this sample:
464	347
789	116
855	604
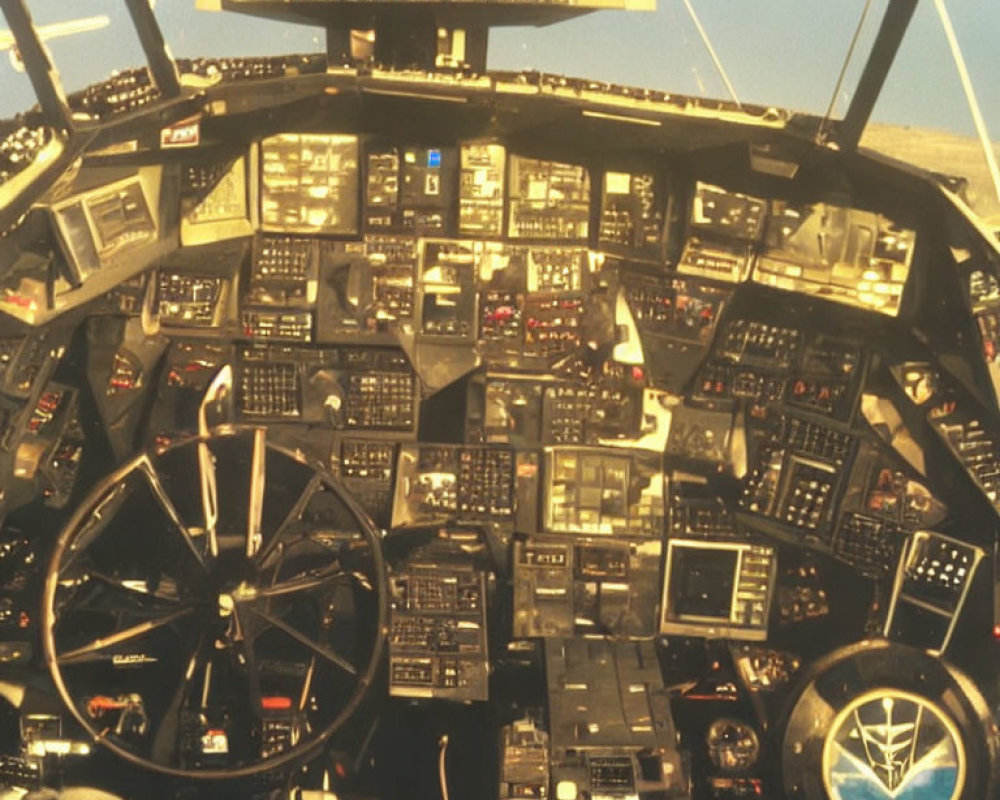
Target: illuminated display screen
121	217
729	214
548	200
227	200
310	183
592	491
481	189
842	254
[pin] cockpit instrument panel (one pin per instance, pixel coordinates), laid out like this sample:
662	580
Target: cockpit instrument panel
723	230
349	388
446	285
215	200
438	483
588	586
481	189
410	188
611	727
631	216
98	226
614	402
437	636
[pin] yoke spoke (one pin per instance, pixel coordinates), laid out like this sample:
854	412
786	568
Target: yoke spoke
135	632
160	493
293	516
258	478
316	647
95	526
131	588
306	582
209	495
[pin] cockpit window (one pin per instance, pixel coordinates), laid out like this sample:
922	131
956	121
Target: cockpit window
208	43
96	50
786	54
16	92
922	116
21	141
805	56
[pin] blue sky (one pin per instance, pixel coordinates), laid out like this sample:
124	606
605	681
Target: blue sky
776	52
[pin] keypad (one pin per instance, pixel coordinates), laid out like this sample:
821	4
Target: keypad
293	326
870	545
797	472
380	400
978	451
552	325
814	439
485	482
183	299
939	566
759	344
579	414
21	773
553	269
366	470
200	178
271	390
701	517
437	633
285	258
613	774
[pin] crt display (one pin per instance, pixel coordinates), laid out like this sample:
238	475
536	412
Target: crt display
702	582
121	217
839	253
310	183
728	214
548	199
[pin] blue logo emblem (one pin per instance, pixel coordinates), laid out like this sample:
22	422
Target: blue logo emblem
892	745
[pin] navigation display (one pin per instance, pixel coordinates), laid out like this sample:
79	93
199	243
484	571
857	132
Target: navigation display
548	200
310	183
839	253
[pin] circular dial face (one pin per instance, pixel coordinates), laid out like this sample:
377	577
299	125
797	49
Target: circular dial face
216	609
893	745
732	744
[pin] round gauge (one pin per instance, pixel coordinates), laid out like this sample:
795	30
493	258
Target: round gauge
732	745
890	743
